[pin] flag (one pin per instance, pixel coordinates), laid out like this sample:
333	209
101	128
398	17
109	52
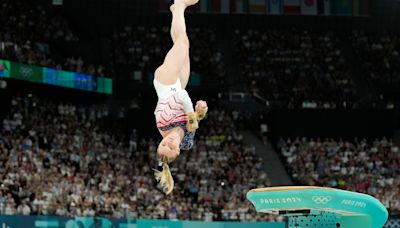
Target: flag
275	7
291	7
232	6
214	6
324	7
257	6
204	8
309	7
360	7
239	6
344	8
225	6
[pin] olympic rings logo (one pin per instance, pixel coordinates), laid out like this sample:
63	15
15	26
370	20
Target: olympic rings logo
26	71
321	199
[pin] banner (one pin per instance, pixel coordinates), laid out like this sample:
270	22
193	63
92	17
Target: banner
291	7
159	223
104	85
309	7
55	77
201	224
58	77
84	82
26	72
257	6
275	7
11	221
5	67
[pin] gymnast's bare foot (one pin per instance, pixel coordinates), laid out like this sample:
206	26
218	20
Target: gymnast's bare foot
186	2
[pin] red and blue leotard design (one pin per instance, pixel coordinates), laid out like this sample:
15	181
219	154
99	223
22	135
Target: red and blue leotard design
169	111
169	114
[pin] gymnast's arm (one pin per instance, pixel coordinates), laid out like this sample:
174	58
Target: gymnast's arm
187	102
193	117
192	123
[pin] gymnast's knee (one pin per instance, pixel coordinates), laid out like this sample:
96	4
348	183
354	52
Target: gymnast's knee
182	40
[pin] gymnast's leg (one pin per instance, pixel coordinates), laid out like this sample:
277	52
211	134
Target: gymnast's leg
184	74
176	31
176	63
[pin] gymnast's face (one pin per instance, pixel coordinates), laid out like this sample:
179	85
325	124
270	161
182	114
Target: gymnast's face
169	147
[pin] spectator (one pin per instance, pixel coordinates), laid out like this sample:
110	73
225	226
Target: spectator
133	141
294	68
24	209
71	166
26	33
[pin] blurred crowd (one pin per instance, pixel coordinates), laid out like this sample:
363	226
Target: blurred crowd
359	165
380	56
287	68
27	32
57	159
140	50
295	68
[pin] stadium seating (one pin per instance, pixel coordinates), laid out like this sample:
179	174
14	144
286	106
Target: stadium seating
57	159
295	68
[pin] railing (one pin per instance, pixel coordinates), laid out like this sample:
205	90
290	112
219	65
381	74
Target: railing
234	96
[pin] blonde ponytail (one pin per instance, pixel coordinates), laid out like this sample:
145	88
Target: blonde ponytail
164	177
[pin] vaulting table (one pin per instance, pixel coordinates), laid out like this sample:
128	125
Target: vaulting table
320	207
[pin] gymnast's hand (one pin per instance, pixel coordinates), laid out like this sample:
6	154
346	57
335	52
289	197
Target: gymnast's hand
201	109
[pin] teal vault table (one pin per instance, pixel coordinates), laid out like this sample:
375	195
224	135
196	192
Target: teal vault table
320	207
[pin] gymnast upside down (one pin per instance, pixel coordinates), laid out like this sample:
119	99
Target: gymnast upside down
176	119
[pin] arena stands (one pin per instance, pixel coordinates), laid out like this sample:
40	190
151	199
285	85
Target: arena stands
370	167
27	32
379	53
295	68
61	158
140	50
58	159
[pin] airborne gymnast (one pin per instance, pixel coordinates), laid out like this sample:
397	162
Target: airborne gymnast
176	118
